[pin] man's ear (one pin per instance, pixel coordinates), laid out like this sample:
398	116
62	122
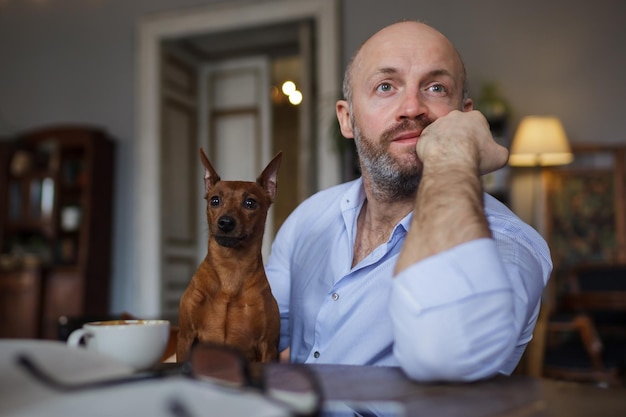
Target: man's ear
343	116
468	105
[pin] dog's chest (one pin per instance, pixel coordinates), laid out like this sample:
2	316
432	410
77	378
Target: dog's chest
233	298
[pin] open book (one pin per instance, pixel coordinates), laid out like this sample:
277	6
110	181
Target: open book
21	394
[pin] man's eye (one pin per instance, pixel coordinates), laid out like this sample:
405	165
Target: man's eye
215	201
437	88
250	203
384	87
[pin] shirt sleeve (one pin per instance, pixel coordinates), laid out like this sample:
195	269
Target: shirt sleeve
462	314
279	277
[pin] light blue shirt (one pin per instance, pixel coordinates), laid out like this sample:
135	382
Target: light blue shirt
463	314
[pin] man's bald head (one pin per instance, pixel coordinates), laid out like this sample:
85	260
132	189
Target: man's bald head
395	33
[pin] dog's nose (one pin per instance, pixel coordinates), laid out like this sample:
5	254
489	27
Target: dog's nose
226	224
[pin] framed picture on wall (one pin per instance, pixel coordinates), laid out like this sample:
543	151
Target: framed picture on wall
586	208
581	217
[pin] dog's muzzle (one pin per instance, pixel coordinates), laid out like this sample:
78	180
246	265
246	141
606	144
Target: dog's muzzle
226	224
228	241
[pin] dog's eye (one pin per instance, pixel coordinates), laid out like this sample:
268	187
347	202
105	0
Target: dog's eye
250	203
215	201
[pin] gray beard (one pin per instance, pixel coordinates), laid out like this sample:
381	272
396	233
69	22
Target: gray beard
390	181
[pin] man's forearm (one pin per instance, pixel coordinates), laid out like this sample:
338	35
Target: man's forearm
448	212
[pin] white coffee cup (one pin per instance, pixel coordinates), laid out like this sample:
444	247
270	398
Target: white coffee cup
138	343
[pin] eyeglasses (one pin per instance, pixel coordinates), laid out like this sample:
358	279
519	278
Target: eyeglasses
291	386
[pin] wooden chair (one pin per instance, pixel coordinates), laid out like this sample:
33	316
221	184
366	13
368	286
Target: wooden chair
585	334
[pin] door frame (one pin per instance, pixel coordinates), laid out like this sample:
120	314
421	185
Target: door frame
146	287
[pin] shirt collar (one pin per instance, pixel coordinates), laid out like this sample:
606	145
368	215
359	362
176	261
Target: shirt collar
352	201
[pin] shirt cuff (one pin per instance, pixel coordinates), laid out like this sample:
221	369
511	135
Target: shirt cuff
470	268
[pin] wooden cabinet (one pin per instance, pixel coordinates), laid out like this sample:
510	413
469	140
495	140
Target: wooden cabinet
57	218
20	296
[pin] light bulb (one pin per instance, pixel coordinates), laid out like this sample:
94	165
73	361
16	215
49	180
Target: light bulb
288	87
295	98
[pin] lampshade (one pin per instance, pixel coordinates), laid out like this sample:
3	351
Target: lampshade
540	140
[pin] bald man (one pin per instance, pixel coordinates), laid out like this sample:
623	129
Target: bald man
410	265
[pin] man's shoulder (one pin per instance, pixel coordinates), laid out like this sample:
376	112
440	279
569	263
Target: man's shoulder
323	207
496	207
505	224
315	220
499	214
329	195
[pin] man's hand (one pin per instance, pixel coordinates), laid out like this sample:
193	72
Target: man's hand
462	138
454	150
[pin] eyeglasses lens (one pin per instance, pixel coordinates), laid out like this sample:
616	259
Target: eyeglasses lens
216	363
294	386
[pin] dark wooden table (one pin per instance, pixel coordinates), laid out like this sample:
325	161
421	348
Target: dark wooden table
514	396
344	389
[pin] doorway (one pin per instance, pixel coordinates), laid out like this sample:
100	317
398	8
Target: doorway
214	21
224	107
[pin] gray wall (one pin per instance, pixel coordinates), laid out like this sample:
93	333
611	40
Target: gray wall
73	61
561	57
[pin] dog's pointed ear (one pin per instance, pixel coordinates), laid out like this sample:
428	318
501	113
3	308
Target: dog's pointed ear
210	175
269	177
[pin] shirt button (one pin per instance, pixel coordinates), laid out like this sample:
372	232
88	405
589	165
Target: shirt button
316	354
335	297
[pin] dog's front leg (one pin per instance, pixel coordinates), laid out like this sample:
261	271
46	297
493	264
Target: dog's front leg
267	351
186	332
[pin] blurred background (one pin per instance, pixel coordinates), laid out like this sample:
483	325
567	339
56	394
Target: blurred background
113	99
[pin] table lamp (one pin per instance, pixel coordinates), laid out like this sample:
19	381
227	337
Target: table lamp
539	141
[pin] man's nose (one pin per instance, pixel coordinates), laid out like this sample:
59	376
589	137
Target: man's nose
412	106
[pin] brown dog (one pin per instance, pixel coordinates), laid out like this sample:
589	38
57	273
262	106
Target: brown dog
229	300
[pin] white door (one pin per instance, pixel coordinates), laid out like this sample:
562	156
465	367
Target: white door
235	127
179	190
